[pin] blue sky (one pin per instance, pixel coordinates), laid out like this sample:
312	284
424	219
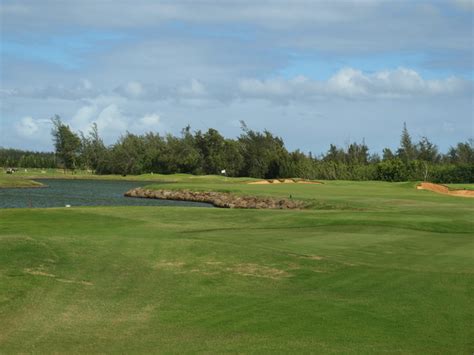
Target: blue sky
312	72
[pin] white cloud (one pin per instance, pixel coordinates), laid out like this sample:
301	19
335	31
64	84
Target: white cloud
193	89
82	89
354	84
112	121
83	118
272	87
348	82
27	127
134	89
349	25
150	120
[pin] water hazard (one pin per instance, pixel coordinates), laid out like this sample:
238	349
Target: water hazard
60	193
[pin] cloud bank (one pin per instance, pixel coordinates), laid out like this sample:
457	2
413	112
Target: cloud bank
313	72
350	83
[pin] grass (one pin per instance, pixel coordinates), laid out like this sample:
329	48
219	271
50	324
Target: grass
9	181
25	177
461	186
373	267
34	173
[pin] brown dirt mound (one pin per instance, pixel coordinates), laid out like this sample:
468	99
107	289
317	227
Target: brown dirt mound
441	189
283	181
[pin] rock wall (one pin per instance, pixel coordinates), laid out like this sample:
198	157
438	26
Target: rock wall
218	199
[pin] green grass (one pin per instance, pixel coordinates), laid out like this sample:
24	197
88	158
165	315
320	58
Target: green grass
9	181
23	177
371	268
34	173
460	186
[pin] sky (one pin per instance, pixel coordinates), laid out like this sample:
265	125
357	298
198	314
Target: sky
312	72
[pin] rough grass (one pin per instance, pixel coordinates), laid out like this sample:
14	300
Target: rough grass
372	268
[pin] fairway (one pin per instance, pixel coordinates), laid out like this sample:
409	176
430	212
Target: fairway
371	267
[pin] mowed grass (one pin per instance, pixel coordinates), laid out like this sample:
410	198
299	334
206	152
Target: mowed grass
35	173
370	268
9	181
461	186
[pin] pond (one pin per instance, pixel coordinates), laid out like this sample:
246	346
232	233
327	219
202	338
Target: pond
60	193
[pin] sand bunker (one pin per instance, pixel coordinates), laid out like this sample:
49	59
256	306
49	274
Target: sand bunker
283	181
441	189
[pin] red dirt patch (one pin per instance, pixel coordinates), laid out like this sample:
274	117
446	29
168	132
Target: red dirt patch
441	189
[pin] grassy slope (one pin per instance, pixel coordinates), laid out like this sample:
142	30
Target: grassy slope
354	195
82	174
9	181
381	268
461	186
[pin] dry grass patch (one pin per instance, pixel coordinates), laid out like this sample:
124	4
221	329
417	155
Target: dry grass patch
86	283
169	264
256	270
40	272
310	257
210	268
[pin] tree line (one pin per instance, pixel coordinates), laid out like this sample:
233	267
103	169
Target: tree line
254	154
18	158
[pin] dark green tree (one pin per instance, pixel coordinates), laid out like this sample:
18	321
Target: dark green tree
66	143
463	153
93	150
127	155
212	148
357	154
335	154
264	155
155	148
407	150
387	154
427	151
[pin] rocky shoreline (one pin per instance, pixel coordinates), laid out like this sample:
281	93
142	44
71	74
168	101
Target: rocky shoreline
218	199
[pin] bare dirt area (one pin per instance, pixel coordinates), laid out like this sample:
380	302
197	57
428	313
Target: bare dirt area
441	189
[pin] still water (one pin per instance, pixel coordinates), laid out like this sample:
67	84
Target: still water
82	193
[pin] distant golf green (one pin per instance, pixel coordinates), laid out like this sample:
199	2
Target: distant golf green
371	267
